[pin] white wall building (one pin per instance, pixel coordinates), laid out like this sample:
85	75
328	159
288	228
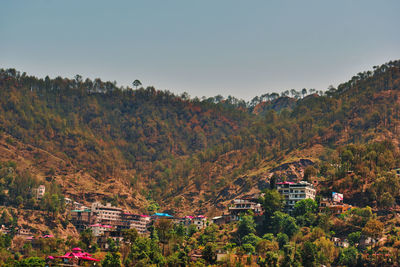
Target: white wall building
107	212
294	192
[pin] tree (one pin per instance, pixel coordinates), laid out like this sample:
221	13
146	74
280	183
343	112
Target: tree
348	256
282	239
272	202
284	223
373	229
354	238
386	200
251	239
164	228
130	235
246	226
209	252
32	262
264	246
309	172
112	260
305	206
87	237
326	251
309	254
304	92
136	83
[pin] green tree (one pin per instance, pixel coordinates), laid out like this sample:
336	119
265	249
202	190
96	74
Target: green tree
130	235
348	256
354	238
246	226
86	237
136	83
309	172
112	260
209	252
282	239
32	262
373	229
305	206
284	223
272	202
309	254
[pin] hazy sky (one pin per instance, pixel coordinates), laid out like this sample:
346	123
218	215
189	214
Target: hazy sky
208	47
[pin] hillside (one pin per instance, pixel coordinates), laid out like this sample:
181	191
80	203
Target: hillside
136	147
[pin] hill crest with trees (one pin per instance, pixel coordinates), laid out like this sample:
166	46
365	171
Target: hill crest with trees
145	146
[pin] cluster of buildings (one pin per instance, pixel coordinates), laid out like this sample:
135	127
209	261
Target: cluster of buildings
292	193
104	219
107	220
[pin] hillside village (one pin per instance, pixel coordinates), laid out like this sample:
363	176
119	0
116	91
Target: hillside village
311	181
107	222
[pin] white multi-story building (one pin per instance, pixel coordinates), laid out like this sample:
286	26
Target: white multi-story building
106	213
140	223
294	192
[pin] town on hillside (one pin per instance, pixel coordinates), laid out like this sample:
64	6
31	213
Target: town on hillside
106	222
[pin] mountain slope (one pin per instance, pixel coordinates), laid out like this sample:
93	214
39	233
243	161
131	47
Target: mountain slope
100	141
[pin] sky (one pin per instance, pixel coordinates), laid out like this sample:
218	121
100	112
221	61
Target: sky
205	48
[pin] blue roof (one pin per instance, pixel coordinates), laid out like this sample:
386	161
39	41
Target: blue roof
162	215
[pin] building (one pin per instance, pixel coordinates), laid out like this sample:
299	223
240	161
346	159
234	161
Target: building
294	192
139	222
100	229
199	221
159	215
242	205
39	192
342	243
334	204
82	218
223	219
107	212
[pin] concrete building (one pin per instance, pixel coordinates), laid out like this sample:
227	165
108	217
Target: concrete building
200	221
100	229
106	213
294	192
244	204
139	222
39	192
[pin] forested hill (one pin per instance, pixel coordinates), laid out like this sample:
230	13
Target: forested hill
141	147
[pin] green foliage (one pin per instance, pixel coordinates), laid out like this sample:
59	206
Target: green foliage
272	202
354	238
209	252
251	239
246	226
32	262
309	254
87	238
348	256
282	239
305	206
112	260
284	223
130	235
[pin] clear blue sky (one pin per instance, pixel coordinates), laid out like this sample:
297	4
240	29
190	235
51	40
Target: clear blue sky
209	47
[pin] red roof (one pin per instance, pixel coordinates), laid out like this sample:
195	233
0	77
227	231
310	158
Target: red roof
76	253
